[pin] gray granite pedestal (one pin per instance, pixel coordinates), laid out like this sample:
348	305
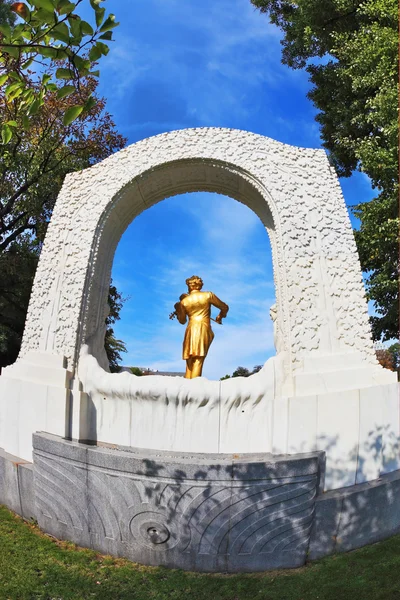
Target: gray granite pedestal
216	513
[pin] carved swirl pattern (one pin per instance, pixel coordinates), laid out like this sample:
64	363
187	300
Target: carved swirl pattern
188	514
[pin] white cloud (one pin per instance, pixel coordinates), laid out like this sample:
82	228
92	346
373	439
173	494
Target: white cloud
214	54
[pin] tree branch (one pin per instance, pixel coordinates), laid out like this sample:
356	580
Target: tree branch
15	234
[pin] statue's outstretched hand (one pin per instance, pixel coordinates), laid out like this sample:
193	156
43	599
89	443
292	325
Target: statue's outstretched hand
218	319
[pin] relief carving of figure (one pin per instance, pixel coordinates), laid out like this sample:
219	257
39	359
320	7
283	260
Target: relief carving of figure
196	306
273	313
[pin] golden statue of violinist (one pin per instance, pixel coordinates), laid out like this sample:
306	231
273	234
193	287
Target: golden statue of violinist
198	335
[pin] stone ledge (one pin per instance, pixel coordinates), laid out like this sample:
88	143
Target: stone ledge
353	517
169	517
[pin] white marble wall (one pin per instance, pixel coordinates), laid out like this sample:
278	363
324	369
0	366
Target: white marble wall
324	391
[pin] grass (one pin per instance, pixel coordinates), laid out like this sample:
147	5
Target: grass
34	566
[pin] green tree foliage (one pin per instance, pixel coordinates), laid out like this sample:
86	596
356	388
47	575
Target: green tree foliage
349	49
7	16
51	38
136	371
17	269
242	372
32	168
113	346
394	350
33	165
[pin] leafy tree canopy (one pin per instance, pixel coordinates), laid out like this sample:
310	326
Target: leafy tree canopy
137	371
349	48
243	372
114	347
33	165
49	39
32	168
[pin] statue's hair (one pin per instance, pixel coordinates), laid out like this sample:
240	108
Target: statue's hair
195	278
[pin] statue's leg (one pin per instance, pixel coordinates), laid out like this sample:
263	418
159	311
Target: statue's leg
189	367
197	366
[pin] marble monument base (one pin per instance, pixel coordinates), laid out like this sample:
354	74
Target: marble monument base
198	512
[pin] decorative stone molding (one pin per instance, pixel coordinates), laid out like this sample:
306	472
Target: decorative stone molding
294	191
200	512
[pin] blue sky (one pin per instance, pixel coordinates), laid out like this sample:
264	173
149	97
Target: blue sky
186	63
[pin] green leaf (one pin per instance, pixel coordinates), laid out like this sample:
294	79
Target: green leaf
3	78
52	87
65	91
15	94
10	89
63	53
106	36
98	50
94	73
6	31
27	64
46	4
109	23
25	122
71	114
45	16
61	32
46	77
86	28
82	65
34	107
90	102
99	15
28	96
26	35
6	134
11	50
76	28
65	7
47	52
94	53
12	123
18	31
62	73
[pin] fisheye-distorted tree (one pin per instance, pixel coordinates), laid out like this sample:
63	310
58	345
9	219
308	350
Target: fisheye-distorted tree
114	347
355	88
32	168
52	43
34	162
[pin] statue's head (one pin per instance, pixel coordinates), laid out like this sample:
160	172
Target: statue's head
194	283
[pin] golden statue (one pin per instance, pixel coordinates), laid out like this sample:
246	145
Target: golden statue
198	335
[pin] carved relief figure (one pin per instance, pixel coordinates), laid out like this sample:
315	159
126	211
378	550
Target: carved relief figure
273	313
196	305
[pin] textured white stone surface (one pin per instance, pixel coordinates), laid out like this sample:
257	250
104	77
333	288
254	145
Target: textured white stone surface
310	394
319	292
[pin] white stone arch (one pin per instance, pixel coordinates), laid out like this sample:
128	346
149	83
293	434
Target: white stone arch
323	391
206	176
293	190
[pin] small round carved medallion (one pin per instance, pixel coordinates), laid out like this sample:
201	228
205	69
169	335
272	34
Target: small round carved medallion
149	529
157	533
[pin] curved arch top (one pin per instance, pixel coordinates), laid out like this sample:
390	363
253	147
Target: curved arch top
295	192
